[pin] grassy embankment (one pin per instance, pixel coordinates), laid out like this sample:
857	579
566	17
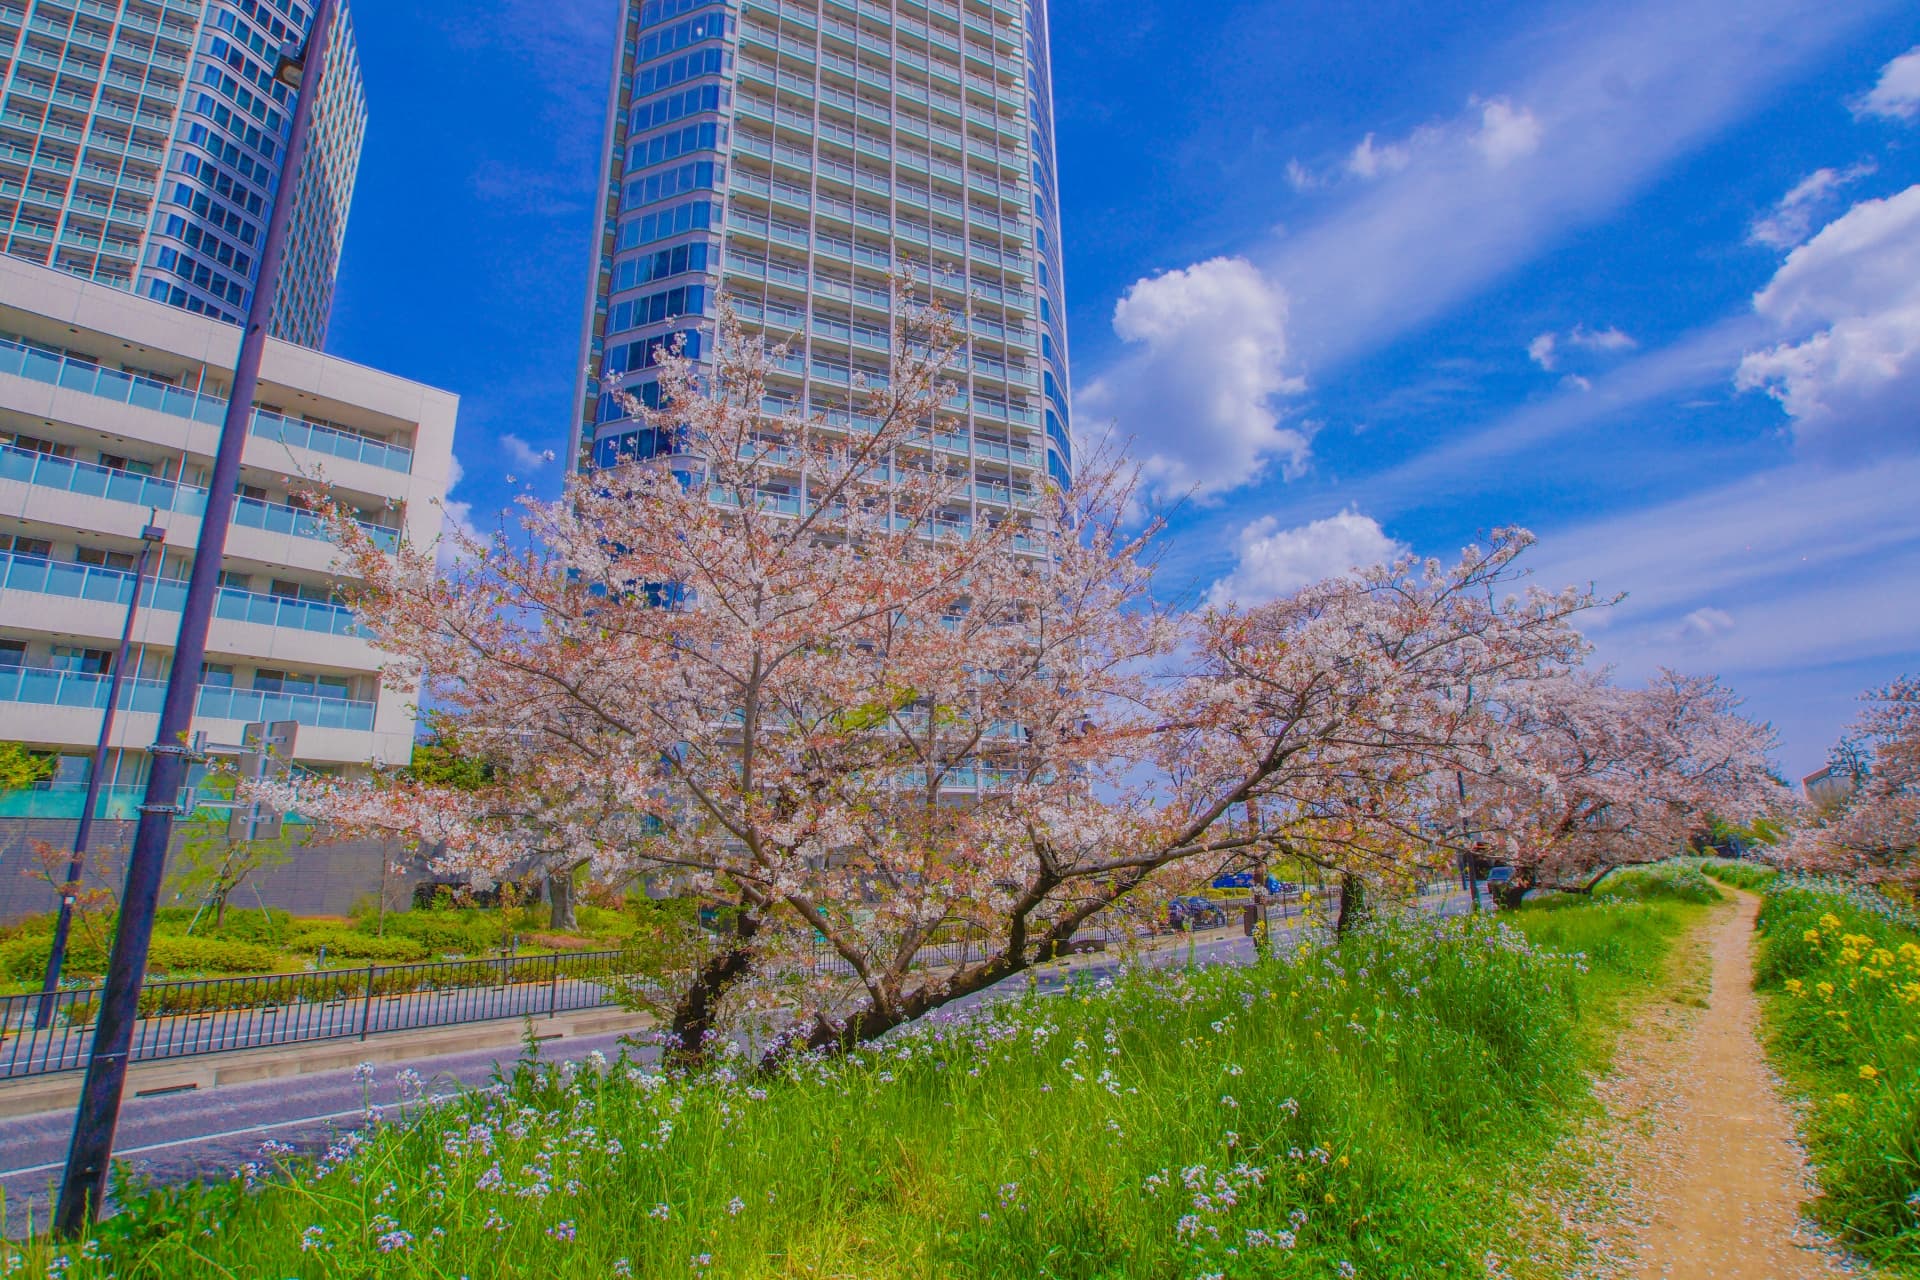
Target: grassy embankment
1365	1109
1839	971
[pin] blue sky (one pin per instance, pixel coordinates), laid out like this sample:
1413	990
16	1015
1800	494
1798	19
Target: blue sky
1644	278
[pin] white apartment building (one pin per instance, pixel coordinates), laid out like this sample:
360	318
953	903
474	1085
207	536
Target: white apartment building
110	411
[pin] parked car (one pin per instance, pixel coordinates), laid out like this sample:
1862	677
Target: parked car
1195	913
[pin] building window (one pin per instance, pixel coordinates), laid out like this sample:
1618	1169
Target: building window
92	662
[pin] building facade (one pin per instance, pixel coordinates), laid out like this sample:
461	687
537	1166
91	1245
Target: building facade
794	156
141	142
110	411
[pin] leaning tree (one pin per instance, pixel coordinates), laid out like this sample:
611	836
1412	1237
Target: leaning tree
1589	775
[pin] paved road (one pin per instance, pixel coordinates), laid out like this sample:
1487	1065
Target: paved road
173	1138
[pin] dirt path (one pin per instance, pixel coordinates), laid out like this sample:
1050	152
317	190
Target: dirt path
1696	1155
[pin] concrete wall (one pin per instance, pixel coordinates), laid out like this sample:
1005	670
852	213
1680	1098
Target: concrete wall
322	878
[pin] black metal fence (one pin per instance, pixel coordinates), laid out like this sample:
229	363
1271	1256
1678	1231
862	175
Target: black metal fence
214	1015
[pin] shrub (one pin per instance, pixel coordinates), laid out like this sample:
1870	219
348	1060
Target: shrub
1669	881
209	955
1843	984
1740	875
460	931
24	959
351	944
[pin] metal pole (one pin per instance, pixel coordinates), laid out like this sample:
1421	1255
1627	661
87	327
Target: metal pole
1473	872
151	538
366	1005
84	1183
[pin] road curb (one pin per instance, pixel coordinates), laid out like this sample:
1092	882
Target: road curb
246	1066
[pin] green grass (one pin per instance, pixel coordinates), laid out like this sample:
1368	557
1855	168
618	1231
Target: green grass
1369	1106
1841	981
1740	875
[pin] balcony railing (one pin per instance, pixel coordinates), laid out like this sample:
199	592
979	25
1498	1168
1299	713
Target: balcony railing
91	480
168	595
84	376
45	687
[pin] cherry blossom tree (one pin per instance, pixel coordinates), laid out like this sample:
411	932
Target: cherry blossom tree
1874	834
1324	709
1586	775
775	665
695	662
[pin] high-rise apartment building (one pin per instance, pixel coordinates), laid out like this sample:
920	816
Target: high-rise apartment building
793	155
110	412
141	142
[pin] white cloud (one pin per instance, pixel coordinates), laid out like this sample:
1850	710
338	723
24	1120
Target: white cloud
524	455
1369	161
1469	460
1705	624
1897	95
1792	218
1849	301
1196	395
1542	351
1608	339
455	515
1301	178
1620	91
1274	561
1545	349
1778	580
1507	133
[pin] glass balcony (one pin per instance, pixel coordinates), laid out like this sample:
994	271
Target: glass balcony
42	686
66	802
75	374
94	481
100	482
169	595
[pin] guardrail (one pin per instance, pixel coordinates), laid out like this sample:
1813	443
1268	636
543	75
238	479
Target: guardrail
216	1015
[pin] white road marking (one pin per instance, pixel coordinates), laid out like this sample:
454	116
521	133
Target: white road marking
183	1142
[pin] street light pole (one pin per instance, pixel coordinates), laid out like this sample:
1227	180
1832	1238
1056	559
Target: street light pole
84	1183
152	539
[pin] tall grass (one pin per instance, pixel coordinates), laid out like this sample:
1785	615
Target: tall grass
1355	1110
1741	875
1843	1015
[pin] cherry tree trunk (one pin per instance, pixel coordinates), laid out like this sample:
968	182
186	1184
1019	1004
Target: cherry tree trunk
1353	903
560	897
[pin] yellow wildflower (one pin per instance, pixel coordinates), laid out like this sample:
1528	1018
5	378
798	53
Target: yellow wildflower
1796	987
1811	935
1829	921
1868	1072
